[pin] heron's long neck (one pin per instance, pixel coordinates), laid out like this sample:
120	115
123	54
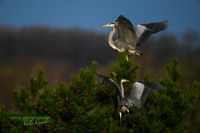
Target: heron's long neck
122	88
110	39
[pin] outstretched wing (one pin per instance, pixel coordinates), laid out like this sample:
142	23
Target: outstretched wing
149	87
144	31
140	92
109	81
152	86
125	30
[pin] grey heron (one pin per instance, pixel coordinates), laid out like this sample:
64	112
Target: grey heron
136	97
125	36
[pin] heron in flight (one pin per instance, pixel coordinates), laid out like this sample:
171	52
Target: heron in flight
125	36
136	97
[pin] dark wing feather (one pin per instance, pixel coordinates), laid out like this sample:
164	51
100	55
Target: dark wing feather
124	21
144	31
109	81
156	27
125	30
153	86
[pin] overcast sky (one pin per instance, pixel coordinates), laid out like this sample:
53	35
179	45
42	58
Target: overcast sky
91	14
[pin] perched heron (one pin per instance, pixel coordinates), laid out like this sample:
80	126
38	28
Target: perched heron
136	97
125	36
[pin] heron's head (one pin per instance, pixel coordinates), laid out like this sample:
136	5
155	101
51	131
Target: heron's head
124	109
108	25
124	105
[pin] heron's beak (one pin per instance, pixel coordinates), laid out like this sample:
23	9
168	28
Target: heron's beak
125	80
127	110
108	25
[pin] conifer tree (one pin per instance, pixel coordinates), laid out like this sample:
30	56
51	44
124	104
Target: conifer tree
86	105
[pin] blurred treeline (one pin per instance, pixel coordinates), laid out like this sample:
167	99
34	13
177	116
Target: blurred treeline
62	52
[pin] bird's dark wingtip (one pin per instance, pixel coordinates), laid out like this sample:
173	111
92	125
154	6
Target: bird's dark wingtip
121	17
122	20
166	23
156	86
102	78
152	86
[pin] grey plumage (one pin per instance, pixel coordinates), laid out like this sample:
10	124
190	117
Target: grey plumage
129	37
140	92
137	95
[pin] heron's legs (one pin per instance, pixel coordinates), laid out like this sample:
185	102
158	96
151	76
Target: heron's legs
135	52
127	58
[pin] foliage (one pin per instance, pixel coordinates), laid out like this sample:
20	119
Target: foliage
3	119
29	94
85	105
125	69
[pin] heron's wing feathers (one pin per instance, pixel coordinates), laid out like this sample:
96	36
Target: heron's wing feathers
108	81
156	27
149	87
125	22
140	92
137	90
144	31
125	31
135	94
152	86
